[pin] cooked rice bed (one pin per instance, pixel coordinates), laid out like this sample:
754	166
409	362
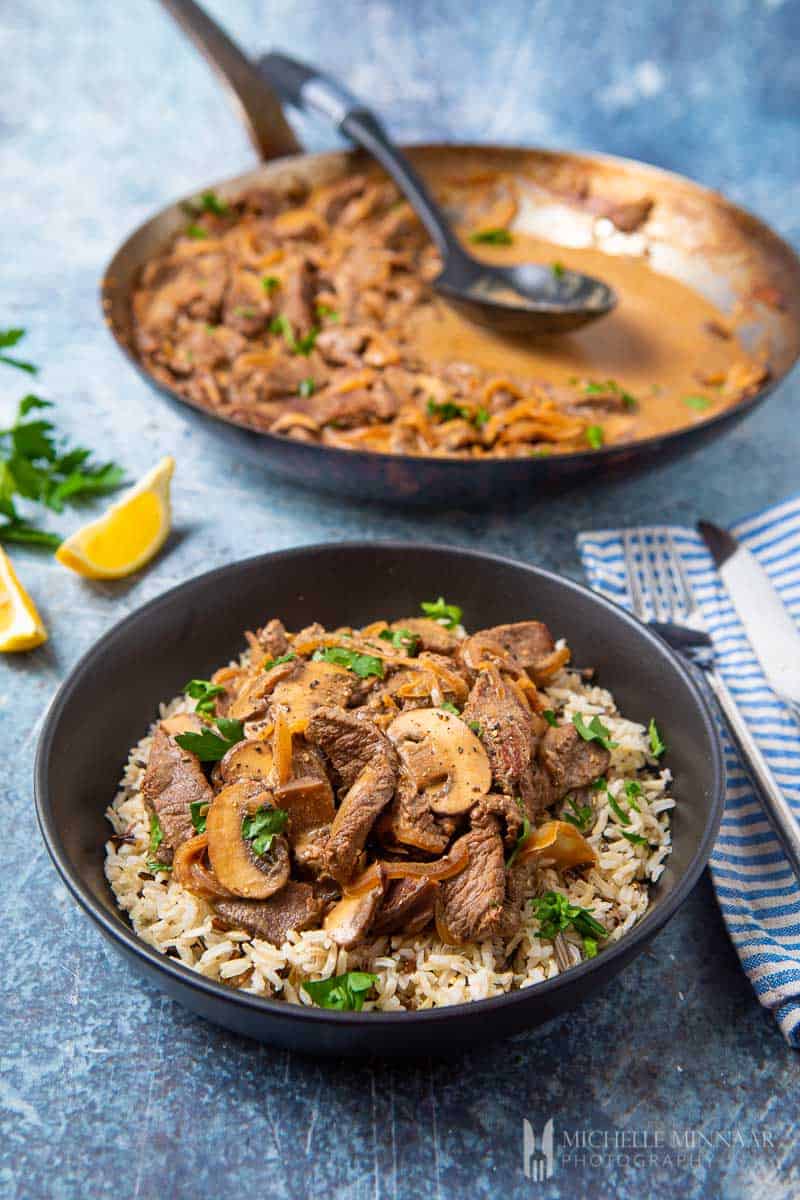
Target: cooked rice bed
422	971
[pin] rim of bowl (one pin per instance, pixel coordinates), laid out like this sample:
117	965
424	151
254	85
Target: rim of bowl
119	930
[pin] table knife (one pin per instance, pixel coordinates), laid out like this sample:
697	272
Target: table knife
768	624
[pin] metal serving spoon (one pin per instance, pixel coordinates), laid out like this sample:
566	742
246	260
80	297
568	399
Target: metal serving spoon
527	298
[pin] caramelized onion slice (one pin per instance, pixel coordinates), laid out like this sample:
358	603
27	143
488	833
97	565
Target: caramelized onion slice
190	869
441	868
557	843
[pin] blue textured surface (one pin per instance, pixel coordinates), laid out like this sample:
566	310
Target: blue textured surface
109	1089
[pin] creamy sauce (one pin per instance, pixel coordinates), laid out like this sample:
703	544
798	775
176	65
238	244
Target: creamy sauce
656	344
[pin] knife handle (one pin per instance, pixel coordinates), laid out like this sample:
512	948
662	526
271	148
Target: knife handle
775	804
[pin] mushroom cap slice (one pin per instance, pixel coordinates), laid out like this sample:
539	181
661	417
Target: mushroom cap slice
313	685
444	758
248	759
235	865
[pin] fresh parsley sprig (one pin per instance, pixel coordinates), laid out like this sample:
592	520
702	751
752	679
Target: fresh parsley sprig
343	993
205	693
555	914
594	731
210	745
362	665
401	639
8	339
439	610
657	744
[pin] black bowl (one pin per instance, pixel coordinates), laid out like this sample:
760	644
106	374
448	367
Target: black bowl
111	696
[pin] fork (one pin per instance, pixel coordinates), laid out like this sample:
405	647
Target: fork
661	594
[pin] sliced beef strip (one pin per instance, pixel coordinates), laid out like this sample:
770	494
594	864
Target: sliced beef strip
509	811
409	821
432	635
570	761
531	644
294	907
470	905
505	727
366	763
272	638
173	781
407	907
520	883
298	299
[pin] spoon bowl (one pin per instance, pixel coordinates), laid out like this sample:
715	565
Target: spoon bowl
529	298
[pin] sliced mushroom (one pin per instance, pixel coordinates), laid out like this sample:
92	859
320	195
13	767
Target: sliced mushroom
235	864
252	699
308	801
349	920
246	760
443	756
313	685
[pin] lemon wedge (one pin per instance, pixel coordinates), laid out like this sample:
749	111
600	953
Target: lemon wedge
21	626
128	535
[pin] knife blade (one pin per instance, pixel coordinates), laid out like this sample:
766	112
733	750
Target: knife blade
769	626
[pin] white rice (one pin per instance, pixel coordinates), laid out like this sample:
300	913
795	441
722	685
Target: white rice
421	971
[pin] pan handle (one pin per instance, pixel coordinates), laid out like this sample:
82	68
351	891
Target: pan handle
259	107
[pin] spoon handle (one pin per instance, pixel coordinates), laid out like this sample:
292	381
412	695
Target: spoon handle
313	91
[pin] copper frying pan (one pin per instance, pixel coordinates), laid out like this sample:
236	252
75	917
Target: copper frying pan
693	234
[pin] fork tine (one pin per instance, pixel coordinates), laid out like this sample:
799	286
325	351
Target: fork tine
630	544
682	582
652	577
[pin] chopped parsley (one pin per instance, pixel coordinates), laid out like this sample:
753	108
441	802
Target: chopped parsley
595	436
156	835
581	815
448	706
401	639
596	387
594	731
262	827
205	693
324	310
439	610
549	716
196	232
657	745
698	403
244	310
541	451
448	410
476	728
306	387
635	838
296	345
558	269
9	338
600	784
555	914
282	658
362	665
525	833
589	947
633	789
207	202
211	745
198	810
492	237
343	993
617	810
270	283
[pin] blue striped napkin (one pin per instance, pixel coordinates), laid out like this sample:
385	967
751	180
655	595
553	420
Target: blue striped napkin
757	891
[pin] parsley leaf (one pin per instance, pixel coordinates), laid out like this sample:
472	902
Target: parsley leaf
401	639
296	345
439	610
657	746
558	270
617	810
595	436
362	665
262	827
635	838
549	716
594	731
325	310
282	658
343	993
196	232
156	835
306	387
492	237
205	693
633	789
476	728
698	403
581	815
451	708
10	337
554	913
448	410
198	810
210	745
270	283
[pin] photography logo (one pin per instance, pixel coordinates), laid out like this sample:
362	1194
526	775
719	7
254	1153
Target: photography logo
537	1163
